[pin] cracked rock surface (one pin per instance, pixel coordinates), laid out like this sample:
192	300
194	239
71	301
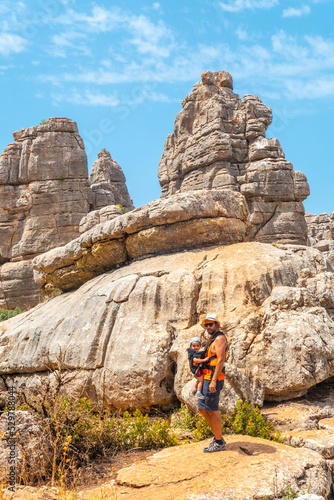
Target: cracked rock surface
275	303
249	469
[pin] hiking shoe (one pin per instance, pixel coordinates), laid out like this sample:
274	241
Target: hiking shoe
200	395
194	391
214	446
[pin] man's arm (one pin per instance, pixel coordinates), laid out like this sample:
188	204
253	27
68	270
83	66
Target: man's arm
220	347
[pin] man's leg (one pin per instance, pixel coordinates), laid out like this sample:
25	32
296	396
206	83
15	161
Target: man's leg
214	421
209	409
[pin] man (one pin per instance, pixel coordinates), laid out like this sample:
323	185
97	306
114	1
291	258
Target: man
213	381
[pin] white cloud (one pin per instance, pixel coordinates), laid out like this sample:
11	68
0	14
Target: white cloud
137	95
241	34
11	44
296	12
288	48
312	89
320	46
156	6
86	98
147	37
150	38
239	5
68	40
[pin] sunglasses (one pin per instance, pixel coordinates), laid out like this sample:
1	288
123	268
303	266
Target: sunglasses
208	324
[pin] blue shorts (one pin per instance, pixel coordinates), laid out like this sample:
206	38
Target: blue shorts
211	401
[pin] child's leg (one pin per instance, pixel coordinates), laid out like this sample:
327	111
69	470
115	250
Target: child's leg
200	381
194	389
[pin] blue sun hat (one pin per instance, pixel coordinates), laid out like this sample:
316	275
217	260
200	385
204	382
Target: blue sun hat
195	339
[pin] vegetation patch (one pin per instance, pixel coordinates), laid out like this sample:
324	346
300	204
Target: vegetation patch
244	419
121	207
77	433
9	313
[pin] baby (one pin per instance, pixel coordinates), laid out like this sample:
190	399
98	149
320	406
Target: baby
195	362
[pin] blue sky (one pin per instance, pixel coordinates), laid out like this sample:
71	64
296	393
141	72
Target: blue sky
121	70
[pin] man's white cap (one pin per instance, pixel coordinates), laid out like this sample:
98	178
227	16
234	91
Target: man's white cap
210	318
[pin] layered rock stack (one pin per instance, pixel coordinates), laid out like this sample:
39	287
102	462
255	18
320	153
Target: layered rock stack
109	191
219	142
321	231
45	193
107	183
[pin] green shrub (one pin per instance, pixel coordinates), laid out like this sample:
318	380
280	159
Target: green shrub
9	313
243	420
121	207
138	431
249	421
202	430
289	493
186	420
43	122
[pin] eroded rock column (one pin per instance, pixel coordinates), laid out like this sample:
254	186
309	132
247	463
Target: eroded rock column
44	194
219	142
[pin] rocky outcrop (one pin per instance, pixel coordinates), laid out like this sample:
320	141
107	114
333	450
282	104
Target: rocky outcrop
320	230
44	193
315	410
107	183
276	305
249	469
96	217
183	221
28	443
219	142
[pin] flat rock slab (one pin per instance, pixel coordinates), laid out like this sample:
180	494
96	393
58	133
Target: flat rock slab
327	423
32	493
320	440
304	413
249	468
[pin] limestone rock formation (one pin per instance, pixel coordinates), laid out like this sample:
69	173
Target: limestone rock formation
96	217
320	440
315	410
321	231
32	445
107	183
45	194
219	142
276	305
183	221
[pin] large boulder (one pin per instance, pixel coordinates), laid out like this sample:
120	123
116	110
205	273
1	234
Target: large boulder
125	333
219	142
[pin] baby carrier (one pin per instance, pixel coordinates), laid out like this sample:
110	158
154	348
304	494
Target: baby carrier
197	370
